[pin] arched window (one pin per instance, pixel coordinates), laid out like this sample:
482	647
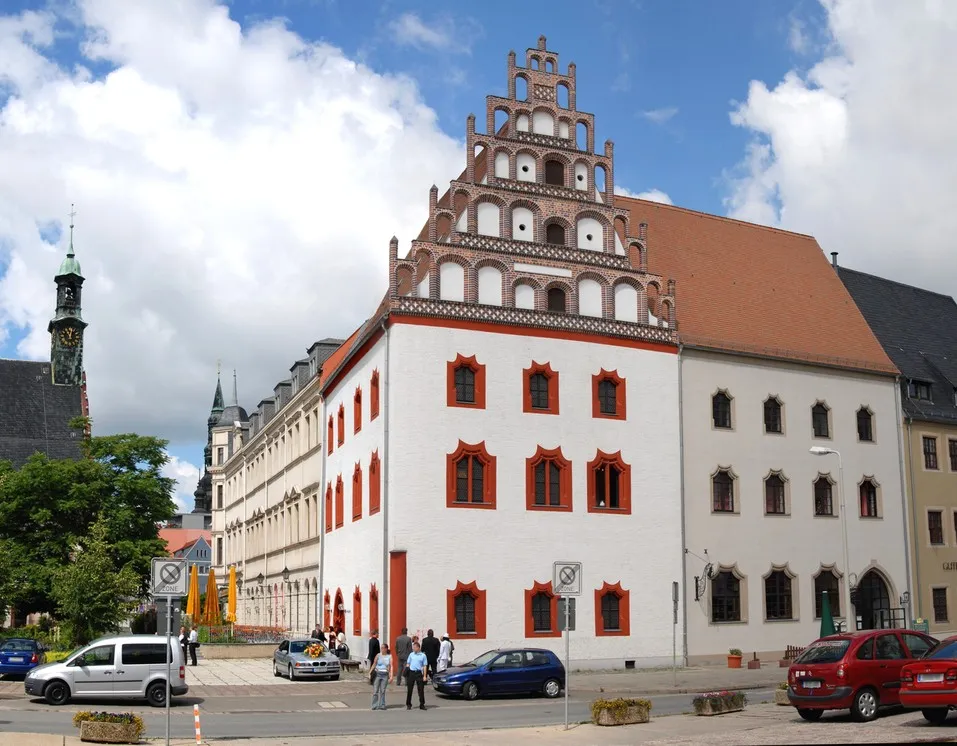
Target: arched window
722	492
823	496
774	502
541	612
772	416
555	234
555	173
470	477
865	425
726	598
721	410
556	300
820	421
777	596
827	581
868	494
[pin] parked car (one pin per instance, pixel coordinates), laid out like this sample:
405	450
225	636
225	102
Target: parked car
125	667
511	671
20	654
859	671
290	659
930	685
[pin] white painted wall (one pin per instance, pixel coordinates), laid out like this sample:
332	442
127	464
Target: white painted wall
422	289
626	303
525	167
523	226
522	123
619	246
589	298
750	538
590	234
524	296
501	165
452	282
563	129
543	123
490	286
505	550
488	215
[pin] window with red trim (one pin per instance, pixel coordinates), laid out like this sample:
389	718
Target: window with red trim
329	507
327	611
612	611
340	513
465	383
374	395
357	410
357	492
341	425
609	484
373	609
375	486
548	480
357	612
329	436
465	611
541	611
608	395
470	477
540	389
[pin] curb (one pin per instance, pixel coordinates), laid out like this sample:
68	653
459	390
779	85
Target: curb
673	690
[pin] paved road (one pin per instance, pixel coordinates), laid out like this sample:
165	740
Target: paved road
297	715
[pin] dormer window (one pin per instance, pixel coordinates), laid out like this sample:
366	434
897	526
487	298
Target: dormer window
919	390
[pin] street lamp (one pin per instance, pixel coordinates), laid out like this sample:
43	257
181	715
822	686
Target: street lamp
285	574
822	451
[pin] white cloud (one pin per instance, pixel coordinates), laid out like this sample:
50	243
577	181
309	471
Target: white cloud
859	151
797	34
660	116
236	189
443	33
186	476
652	195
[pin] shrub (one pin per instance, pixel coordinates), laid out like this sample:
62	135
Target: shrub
56	657
783	686
125	718
720	699
617	707
735	651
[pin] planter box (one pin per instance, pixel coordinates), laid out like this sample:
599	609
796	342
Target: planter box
734	661
752	665
781	697
784	663
633	714
93	732
719	710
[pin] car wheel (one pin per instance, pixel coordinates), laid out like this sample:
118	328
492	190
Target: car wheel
865	704
156	694
57	693
470	690
812	716
275	669
552	688
935	715
292	674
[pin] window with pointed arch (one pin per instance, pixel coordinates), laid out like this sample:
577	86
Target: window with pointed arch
357	612
374	395
541	611
470	477
865	425
465	383
329	507
548	481
357	492
330	435
609	484
612	611
778	596
373	608
823	496
773	416
357	410
375	484
726	602
340	508
870	503
827	580
540	389
722	492
775	495
465	611
608	395
721	415
341	425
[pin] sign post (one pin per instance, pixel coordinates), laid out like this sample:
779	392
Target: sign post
567	582
170	580
674	631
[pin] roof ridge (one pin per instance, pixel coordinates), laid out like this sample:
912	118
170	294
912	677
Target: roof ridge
897	282
722	218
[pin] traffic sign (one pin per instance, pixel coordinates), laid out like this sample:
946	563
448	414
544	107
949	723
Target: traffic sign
567	579
169	577
566	614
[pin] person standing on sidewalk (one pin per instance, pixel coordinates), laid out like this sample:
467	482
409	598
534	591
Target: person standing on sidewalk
193	644
416	676
445	653
382	671
184	642
403	649
430	646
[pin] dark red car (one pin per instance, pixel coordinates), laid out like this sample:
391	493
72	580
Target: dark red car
858	671
930	685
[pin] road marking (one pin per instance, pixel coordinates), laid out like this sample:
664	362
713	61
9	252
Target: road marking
333	705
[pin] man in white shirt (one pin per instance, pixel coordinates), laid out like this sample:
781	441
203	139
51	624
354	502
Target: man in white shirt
193	644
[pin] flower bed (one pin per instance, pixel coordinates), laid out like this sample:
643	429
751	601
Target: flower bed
620	711
718	703
109	727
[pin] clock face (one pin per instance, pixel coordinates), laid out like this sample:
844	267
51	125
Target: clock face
70	337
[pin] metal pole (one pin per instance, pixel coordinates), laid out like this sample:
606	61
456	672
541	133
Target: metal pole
169	657
674	631
848	615
567	648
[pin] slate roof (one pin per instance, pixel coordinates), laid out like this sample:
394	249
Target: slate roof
35	414
918	330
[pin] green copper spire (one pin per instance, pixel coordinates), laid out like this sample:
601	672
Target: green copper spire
218	405
70	266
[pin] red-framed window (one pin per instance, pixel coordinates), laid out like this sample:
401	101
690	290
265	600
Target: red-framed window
548	480
374	395
609	484
612	611
340	512
375	484
608	399
465	612
465	383
357	492
541	611
357	410
470	477
540	389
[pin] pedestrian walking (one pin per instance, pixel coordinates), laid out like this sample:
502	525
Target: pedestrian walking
417	671
445	653
193	644
382	671
373	652
403	649
317	633
184	642
430	646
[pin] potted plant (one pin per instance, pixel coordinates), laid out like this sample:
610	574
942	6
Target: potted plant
620	711
734	658
109	727
754	663
718	703
781	694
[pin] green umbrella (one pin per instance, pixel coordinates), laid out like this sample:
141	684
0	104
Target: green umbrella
827	620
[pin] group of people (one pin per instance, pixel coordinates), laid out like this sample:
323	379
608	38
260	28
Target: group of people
416	661
333	639
189	641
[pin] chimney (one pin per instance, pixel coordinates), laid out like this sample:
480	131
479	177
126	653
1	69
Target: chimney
834	259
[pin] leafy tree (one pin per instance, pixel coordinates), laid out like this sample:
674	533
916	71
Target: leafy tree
92	594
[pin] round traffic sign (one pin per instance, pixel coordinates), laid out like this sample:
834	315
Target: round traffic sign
567	575
170	574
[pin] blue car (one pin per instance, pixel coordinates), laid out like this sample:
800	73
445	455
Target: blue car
506	671
19	655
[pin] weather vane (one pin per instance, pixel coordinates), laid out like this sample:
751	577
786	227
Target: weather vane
72	215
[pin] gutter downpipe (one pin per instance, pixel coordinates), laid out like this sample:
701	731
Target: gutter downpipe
320	591
913	504
385	631
681	468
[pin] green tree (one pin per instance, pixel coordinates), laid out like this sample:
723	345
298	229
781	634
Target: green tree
92	594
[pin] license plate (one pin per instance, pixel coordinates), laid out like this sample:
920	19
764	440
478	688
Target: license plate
16	660
811	684
930	677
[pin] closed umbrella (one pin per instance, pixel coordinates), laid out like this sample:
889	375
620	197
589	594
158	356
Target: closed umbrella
192	600
211	614
827	619
231	599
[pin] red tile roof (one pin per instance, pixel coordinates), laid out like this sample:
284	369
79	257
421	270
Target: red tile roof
177	538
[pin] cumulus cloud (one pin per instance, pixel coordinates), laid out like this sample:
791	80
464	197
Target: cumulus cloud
660	116
652	195
236	189
443	33
186	476
859	150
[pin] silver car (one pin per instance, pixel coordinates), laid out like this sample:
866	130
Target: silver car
126	667
290	660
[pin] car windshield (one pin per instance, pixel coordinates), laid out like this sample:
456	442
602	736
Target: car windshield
19	645
946	649
298	647
824	651
483	658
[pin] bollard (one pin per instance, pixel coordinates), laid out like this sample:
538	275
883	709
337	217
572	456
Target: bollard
199	737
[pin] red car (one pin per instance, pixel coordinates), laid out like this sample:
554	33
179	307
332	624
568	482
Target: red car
930	685
859	671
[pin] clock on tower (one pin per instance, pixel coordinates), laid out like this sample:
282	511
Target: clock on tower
66	327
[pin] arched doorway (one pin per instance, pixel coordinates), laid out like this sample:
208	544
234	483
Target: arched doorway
339	612
873	602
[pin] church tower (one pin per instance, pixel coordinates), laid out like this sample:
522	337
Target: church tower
66	327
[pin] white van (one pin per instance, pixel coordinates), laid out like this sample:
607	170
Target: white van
126	667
